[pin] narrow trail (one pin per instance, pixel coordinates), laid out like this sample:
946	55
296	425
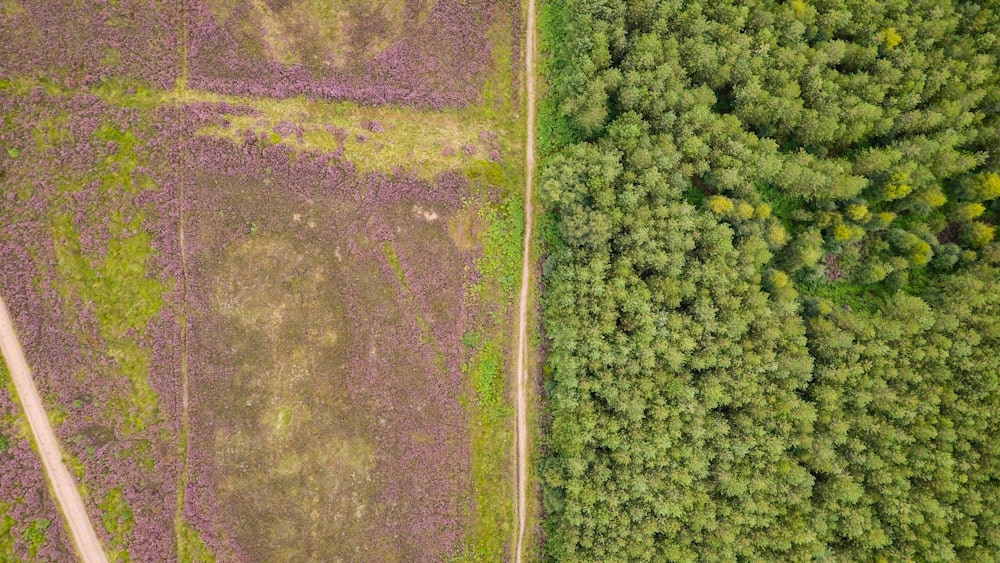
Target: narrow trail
67	495
185	417
522	322
182	479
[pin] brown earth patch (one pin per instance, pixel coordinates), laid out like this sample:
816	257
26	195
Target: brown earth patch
465	229
327	408
321	35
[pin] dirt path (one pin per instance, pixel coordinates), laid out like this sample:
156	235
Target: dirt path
182	480
67	496
522	320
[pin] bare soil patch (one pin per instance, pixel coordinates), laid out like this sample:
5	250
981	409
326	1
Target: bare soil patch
420	52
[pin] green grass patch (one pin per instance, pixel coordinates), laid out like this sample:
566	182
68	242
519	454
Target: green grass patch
34	536
390	255
470	338
486	171
117	284
501	260
115	281
118	520
489	537
6	533
50	132
781	205
190	547
373	138
486	371
56	414
23	85
120	166
123	298
857	297
497	93
126	93
491	443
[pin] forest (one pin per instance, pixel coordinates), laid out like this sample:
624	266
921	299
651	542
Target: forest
772	287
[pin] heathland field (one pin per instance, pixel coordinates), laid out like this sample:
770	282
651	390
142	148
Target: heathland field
272	264
262	257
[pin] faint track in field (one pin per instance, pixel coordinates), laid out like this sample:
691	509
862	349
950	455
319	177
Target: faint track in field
64	488
522	328
183	444
185	422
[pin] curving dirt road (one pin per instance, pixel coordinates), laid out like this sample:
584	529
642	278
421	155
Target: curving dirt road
67	496
522	321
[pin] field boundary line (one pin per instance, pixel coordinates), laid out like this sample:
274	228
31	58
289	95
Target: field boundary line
183	442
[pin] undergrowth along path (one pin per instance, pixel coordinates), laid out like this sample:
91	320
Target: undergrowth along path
66	493
522	320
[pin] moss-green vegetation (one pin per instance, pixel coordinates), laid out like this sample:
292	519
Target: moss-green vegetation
382	138
23	85
374	138
115	281
118	521
6	526
190	546
501	260
48	132
393	259
126	94
34	535
488	537
486	371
